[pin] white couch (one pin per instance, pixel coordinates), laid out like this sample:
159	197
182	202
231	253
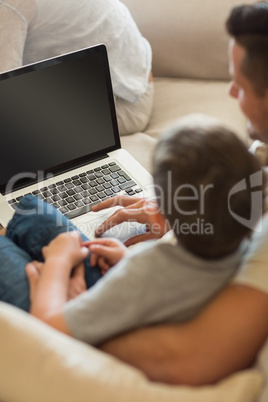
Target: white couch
191	75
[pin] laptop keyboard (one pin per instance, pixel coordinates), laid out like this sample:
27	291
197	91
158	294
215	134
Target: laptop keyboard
76	195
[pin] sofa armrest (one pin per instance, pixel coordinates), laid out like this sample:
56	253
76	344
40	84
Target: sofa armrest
40	364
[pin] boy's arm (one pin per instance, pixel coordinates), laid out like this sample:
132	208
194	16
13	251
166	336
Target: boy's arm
52	313
49	290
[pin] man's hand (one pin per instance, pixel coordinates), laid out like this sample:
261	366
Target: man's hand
135	209
106	253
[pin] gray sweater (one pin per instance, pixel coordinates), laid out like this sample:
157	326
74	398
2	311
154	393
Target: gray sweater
156	282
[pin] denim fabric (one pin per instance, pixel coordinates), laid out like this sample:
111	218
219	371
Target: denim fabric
14	287
34	224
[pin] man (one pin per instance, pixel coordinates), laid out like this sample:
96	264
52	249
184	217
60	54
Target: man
227	335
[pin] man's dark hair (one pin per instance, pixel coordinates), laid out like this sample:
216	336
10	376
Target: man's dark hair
248	25
195	165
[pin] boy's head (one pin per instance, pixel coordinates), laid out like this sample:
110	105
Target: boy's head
197	166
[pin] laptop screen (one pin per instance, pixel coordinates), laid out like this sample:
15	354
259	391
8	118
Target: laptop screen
57	114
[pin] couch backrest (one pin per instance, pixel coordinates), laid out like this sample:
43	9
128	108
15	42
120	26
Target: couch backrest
188	37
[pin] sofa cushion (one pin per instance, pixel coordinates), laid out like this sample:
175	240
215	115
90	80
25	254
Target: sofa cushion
15	16
174	98
188	38
141	147
40	364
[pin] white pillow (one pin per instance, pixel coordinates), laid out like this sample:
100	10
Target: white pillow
15	16
41	364
63	26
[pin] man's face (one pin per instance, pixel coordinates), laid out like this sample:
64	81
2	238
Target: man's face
254	107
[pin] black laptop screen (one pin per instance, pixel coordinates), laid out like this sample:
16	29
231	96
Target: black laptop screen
56	114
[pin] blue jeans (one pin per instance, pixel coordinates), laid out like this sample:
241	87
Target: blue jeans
34	224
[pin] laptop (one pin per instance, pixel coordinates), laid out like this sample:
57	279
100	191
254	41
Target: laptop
60	140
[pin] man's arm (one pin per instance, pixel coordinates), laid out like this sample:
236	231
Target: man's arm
223	339
136	209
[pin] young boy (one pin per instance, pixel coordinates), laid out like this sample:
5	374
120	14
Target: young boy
201	171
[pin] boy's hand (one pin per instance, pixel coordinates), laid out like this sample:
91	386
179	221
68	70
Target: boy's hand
77	283
106	252
67	248
33	270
